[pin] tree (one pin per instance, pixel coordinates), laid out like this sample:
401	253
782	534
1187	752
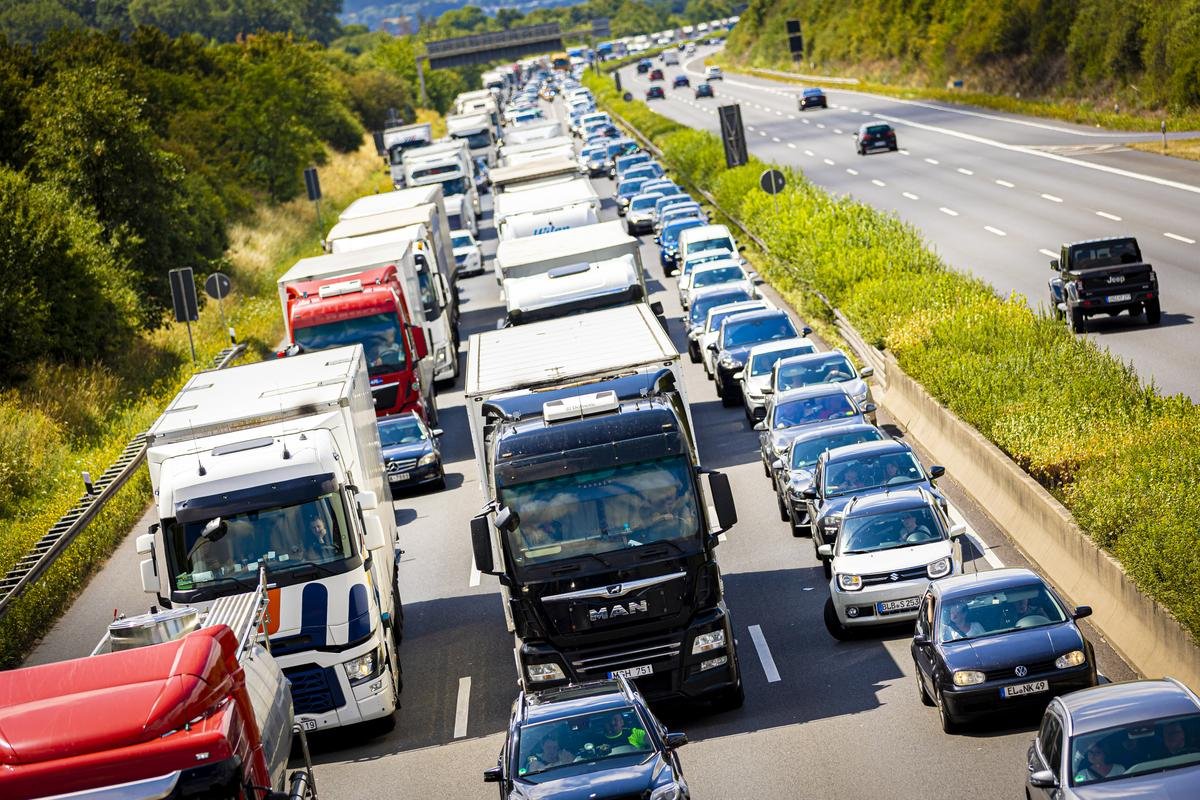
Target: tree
374	91
31	22
508	18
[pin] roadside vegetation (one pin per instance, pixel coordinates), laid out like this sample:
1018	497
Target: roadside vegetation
1120	456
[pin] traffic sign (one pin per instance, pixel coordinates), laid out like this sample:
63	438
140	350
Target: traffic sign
772	181
217	285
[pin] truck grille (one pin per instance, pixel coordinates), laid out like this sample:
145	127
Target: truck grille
315	690
910	574
595	662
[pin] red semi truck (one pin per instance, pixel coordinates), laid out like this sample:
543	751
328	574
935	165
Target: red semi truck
337	300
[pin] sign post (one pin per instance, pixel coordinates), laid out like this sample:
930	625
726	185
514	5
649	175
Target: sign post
772	182
183	301
312	183
732	135
795	39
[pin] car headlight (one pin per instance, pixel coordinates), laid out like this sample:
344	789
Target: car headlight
850	583
730	363
427	459
939	568
708	641
1071	659
832	522
364	668
542	673
668	792
968	677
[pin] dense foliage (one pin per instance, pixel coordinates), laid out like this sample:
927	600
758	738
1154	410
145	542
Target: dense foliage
626	17
1123	459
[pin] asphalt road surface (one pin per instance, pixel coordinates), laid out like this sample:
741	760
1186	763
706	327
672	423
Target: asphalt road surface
822	719
994	194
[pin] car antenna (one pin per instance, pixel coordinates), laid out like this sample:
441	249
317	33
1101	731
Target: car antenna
199	463
283	437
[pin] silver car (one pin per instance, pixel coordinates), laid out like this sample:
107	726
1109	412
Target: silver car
832	366
760	363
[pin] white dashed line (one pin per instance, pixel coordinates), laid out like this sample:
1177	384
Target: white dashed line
933	161
1005	184
1179	238
948	211
904	152
792	145
829	161
779	113
910	196
1051	198
1049	253
866	113
965	171
774	138
853	110
821	125
762	133
808	152
791	116
460	707
996	231
764	654
806	122
878	182
749	127
1107	215
851	171
838	131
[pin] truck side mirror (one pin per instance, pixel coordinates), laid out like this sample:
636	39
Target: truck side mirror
419	341
145	542
373	532
149	578
367	500
722	495
481	544
1054	264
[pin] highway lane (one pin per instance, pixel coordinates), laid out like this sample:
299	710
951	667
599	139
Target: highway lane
992	193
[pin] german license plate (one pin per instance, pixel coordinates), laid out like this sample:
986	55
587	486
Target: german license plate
892	606
633	672
308	724
399	476
1120	298
1025	688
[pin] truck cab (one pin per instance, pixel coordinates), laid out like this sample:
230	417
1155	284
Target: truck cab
478	131
1103	276
398	140
451	165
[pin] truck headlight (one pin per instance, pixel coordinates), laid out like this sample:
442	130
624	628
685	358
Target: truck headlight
364	668
543	673
968	677
850	583
708	641
939	568
443	356
1071	659
427	459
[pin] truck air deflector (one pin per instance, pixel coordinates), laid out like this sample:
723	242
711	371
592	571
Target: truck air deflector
271	495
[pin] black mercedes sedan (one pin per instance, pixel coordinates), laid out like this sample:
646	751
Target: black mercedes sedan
997	642
411	453
588	741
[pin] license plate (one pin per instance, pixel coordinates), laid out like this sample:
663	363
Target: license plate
400	476
308	724
1120	298
633	672
1025	688
892	606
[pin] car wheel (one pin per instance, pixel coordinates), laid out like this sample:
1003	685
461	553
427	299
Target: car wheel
719	387
1153	312
950	725
729	398
693	352
827	568
926	700
1078	321
766	467
783	512
834	625
440	483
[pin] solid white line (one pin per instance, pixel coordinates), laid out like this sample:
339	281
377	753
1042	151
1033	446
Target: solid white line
764	654
949	211
829	161
460	708
933	161
878	182
965	171
910	196
1005	184
996	231
851	171
1179	238
1107	215
1050	253
991	558
474	573
1051	198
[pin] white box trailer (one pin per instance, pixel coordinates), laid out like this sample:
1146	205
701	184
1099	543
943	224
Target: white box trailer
518	258
517	176
557	147
533	132
557	206
400	139
574	289
437	220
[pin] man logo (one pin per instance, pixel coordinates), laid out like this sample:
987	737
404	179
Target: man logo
618	610
1021	671
614	590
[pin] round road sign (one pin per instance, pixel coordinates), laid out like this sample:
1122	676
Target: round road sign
772	181
216	286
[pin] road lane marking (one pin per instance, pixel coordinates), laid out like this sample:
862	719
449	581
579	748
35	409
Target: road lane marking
1005	184
1052	198
980	546
949	211
764	654
474	573
749	127
762	133
996	231
837	131
821	125
829	161
933	161
808	152
851	171
460	708
1107	215
774	138
904	152
1179	238
792	145
1049	253
965	171
779	113
791	116
878	182
910	195
806	122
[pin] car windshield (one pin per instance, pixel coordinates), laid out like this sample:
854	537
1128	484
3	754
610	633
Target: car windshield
720	243
670	234
832	368
379	334
584	738
995	612
853	475
808	410
281	537
639	203
401	430
740	333
805	452
700	305
454	186
889	530
812	92
762	363
629	188
476	140
711	277
1154	745
461	240
602	511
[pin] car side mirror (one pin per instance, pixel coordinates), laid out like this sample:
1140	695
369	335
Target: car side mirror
866	372
805	331
768	390
825	551
958	530
481	545
810	493
493	775
675	740
936	471
1054	264
777	464
1043	779
741	248
737	376
1081	611
870	408
437	432
920	638
760	425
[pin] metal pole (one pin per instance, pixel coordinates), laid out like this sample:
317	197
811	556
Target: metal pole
421	81
1164	135
191	342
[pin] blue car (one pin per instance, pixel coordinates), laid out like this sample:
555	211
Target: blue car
668	241
626	191
411	453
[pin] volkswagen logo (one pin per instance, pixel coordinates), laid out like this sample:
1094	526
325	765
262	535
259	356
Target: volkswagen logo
614	590
1116	278
893	577
1021	671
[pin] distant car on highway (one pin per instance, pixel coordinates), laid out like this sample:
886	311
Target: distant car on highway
704	90
713	74
680	81
812	98
872	136
411	453
655	93
656	74
1103	276
998	642
644	66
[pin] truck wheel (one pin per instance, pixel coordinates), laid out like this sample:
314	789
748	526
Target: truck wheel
397	618
834	625
1078	321
1153	312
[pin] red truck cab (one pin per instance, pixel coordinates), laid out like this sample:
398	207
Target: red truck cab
367	308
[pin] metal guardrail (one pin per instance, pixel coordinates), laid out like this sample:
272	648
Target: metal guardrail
52	544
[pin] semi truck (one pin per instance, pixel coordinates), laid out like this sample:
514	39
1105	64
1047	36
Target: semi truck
478	131
171	704
277	465
597	521
398	140
519	176
513	154
450	164
554	206
574	289
373	298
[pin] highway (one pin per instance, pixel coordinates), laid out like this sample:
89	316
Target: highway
822	719
994	194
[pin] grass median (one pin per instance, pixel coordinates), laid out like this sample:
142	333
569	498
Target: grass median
1123	458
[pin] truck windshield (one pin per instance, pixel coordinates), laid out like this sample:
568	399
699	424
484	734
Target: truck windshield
379	334
396	151
601	511
453	186
282	537
476	141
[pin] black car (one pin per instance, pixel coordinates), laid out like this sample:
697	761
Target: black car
812	98
875	136
411	454
738	334
703	90
680	81
644	66
655	93
588	741
997	641
792	472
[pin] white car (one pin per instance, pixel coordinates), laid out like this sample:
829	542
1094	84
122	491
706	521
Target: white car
833	366
760	365
468	255
712	327
714	273
888	548
713	74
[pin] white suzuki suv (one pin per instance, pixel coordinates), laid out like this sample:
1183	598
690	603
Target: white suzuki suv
890	546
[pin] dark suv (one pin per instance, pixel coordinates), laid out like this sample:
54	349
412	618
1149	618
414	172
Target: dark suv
738	334
594	740
1103	276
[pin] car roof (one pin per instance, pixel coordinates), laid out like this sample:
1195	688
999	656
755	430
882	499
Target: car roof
991	580
1113	704
568	701
709	255
727	307
833	430
852	451
778	344
391	419
895	500
751	316
815	390
806	357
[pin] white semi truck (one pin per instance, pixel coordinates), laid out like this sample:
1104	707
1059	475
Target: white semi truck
277	465
518	176
478	131
450	164
398	140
